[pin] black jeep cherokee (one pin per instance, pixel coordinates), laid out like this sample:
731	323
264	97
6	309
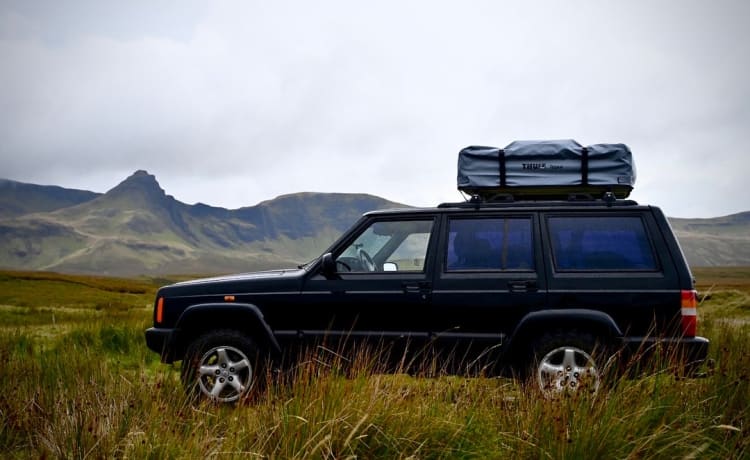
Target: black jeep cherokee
546	289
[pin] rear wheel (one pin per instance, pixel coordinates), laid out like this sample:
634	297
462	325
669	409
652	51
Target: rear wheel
567	362
222	365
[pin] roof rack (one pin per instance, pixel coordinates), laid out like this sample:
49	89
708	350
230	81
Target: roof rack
507	199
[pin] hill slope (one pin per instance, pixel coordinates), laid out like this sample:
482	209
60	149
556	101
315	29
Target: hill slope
17	198
720	241
136	228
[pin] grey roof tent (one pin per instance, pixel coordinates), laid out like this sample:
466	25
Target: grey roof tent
552	169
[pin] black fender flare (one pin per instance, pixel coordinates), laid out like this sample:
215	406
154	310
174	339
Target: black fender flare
537	322
243	317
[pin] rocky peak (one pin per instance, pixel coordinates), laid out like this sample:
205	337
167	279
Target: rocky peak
139	181
139	190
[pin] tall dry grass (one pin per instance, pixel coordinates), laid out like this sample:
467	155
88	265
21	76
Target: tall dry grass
93	390
90	395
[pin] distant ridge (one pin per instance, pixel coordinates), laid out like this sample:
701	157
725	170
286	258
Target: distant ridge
18	198
137	228
720	241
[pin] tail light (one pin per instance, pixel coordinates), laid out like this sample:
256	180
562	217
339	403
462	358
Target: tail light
689	312
160	310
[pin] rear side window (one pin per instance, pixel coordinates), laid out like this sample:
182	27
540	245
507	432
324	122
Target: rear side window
490	244
600	243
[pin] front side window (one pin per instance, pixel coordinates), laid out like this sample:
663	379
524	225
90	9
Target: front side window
606	243
490	244
388	246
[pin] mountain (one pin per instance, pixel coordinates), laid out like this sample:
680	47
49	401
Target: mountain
17	198
719	241
136	228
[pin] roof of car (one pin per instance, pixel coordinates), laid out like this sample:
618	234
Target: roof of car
469	206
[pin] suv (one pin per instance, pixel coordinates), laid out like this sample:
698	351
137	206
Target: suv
548	290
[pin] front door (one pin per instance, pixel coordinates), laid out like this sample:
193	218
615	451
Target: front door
381	291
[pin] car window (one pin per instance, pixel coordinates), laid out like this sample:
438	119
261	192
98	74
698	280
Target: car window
410	254
388	246
605	243
490	244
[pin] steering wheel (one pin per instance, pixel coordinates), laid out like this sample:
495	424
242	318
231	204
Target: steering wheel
344	264
366	260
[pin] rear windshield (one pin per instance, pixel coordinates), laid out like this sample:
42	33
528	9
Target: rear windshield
608	243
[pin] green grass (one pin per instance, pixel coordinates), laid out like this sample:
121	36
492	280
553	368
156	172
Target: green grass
85	386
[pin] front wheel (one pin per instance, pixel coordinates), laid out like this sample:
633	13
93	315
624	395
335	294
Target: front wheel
222	366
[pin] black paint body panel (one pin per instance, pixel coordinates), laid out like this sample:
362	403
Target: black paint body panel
473	317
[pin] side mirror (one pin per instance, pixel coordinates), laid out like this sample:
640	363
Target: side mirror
327	265
390	267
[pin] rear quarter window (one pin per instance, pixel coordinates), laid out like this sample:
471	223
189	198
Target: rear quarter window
604	243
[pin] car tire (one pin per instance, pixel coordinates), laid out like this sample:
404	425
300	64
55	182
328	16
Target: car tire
222	366
568	362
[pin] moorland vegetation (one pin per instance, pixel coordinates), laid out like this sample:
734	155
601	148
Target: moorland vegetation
77	381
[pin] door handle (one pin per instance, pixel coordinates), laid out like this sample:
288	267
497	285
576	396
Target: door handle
422	288
411	288
523	286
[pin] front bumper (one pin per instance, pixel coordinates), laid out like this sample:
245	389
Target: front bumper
161	341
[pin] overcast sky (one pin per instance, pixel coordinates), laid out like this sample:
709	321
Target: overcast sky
231	103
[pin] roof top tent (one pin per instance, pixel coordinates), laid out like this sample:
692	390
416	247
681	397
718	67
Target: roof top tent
547	170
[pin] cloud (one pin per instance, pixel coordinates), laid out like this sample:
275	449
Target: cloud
241	101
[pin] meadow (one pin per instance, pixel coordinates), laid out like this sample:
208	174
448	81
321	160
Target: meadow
76	381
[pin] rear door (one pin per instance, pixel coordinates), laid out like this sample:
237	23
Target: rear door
489	274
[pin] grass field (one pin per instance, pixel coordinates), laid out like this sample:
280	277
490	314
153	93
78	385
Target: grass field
76	381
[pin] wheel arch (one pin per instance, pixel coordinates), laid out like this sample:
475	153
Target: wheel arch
199	319
536	323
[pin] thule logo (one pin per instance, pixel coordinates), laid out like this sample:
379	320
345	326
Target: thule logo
536	166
